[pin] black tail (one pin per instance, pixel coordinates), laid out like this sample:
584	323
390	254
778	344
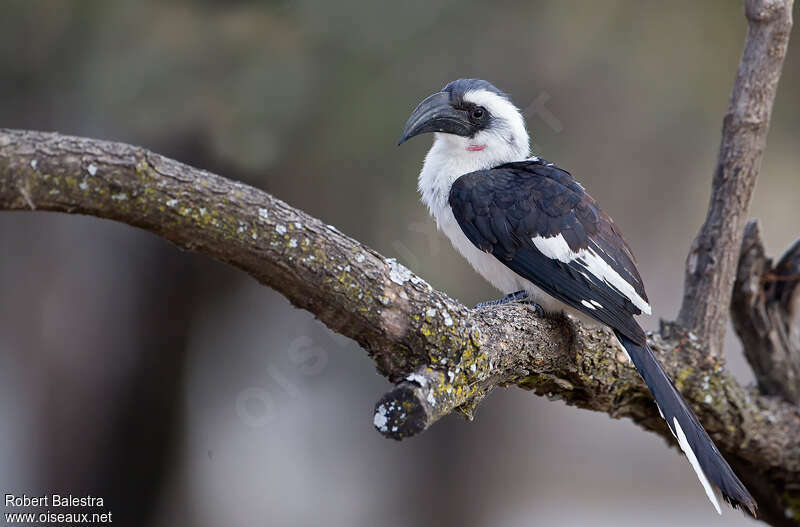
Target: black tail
692	437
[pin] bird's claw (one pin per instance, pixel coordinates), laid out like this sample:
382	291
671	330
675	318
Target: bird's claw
537	309
518	296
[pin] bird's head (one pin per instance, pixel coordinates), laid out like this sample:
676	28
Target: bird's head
470	117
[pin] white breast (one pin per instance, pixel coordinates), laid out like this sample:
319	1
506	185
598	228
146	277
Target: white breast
497	274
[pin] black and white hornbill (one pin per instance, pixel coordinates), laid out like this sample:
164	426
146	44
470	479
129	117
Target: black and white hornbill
533	232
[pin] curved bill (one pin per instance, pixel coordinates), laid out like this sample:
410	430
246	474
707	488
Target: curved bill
435	114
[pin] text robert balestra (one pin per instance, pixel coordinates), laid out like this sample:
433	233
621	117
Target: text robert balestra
52	500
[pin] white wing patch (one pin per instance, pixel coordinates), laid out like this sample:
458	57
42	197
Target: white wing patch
588	304
556	247
684	444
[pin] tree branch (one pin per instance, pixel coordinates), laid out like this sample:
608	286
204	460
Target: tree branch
711	264
766	315
443	355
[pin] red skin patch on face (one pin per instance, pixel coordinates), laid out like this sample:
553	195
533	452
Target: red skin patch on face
475	148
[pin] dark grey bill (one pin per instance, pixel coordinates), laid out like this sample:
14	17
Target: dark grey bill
436	114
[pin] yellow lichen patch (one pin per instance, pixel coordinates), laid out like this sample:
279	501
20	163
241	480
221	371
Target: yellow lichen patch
457	379
681	378
792	501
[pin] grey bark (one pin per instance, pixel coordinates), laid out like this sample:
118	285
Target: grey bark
711	264
766	315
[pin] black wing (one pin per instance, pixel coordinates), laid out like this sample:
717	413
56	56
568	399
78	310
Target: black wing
536	219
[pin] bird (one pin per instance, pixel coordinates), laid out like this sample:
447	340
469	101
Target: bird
533	232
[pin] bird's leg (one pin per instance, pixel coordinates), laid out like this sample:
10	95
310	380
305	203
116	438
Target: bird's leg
511	297
538	309
518	296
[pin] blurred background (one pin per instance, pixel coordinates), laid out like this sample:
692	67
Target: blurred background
182	392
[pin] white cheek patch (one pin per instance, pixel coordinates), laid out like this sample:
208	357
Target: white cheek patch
498	105
556	247
508	131
684	444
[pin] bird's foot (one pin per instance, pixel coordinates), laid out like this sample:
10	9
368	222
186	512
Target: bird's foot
519	296
538	309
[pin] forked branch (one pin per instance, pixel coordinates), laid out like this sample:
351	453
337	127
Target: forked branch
711	264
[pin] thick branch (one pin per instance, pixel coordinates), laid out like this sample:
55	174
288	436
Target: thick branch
711	264
766	315
444	355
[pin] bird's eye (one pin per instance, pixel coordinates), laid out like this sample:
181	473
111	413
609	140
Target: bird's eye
478	112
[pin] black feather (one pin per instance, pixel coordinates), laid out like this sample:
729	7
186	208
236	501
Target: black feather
672	406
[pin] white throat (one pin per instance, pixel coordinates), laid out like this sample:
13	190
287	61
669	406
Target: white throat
448	159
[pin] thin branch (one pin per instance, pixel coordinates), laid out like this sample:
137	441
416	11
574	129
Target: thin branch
766	315
444	355
711	264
